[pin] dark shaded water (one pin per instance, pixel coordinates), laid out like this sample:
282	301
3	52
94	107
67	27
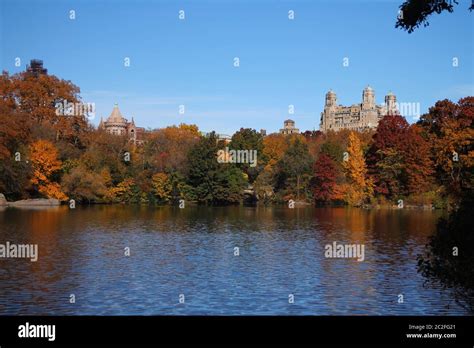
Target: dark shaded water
191	252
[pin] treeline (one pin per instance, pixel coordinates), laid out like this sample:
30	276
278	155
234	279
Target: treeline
43	154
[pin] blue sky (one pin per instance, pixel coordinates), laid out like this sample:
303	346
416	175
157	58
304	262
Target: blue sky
282	61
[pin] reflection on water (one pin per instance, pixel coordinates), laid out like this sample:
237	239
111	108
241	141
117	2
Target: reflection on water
191	252
449	256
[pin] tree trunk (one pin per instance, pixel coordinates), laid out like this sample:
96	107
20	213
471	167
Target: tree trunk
297	188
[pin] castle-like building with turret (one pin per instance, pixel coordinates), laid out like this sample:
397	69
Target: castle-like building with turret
116	124
358	117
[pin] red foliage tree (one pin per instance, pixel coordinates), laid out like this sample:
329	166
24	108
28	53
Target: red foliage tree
450	130
385	155
324	180
418	166
399	159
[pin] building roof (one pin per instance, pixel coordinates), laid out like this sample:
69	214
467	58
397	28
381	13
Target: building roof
116	116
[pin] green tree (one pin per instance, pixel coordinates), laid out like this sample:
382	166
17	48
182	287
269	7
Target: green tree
295	165
84	185
414	13
333	150
249	139
213	182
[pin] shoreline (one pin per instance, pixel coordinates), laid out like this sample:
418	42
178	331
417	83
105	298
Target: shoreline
50	202
30	202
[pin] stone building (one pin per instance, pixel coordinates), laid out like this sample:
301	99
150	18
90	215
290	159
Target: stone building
289	128
356	117
116	124
36	68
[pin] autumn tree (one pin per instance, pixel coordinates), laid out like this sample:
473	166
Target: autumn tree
274	147
28	113
14	138
84	185
314	140
191	129
387	173
44	160
14	127
417	163
324	180
450	131
126	191
385	156
166	149
39	96
399	159
356	171
162	187
107	151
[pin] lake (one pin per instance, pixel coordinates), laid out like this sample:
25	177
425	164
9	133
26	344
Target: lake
218	261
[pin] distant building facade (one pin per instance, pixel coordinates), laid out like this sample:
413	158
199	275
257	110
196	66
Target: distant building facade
36	68
116	124
289	128
358	117
219	137
225	138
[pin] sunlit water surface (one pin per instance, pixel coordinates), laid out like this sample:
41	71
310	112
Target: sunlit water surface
191	252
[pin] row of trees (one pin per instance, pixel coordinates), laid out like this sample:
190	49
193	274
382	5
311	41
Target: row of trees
43	154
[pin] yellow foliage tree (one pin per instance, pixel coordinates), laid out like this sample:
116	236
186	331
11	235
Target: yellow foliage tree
124	192
191	128
358	188
161	187
45	162
274	147
106	177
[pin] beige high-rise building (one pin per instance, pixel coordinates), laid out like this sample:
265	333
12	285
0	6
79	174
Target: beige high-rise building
358	117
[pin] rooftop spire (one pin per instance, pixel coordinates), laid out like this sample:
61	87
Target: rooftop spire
116	116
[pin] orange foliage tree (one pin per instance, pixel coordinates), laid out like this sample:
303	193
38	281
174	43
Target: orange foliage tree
450	130
274	147
167	148
45	163
418	165
356	171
